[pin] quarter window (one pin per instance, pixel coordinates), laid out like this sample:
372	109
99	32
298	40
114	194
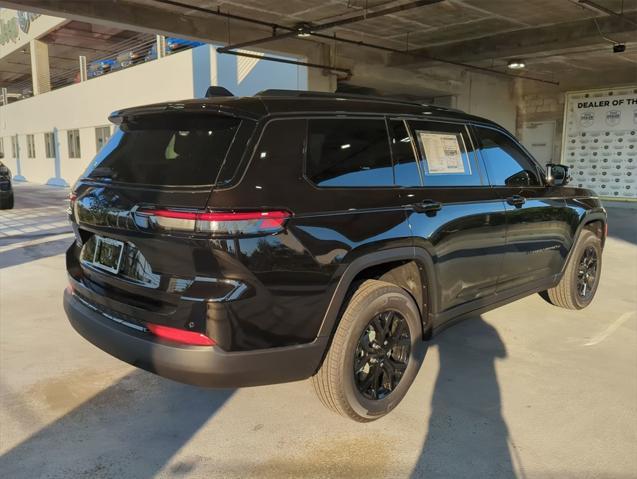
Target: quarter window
49	144
448	157
349	153
30	146
74	143
506	162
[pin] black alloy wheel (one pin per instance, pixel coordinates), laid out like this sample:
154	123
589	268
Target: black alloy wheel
587	273
382	355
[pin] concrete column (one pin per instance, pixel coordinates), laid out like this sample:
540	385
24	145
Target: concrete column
321	80
40	74
160	45
18	176
83	71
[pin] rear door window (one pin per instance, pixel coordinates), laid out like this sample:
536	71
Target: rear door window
348	152
175	150
448	156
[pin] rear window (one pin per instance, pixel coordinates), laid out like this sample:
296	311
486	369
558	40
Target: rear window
349	153
174	150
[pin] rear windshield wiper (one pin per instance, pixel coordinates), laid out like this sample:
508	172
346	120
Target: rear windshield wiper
103	172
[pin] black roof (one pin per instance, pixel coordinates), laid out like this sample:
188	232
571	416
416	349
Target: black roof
279	102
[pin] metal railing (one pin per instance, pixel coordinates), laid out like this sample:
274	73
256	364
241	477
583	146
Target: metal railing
133	51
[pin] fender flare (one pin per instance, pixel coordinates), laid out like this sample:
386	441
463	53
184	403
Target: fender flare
407	253
587	217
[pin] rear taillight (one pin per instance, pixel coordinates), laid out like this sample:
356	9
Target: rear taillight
180	335
214	222
72	198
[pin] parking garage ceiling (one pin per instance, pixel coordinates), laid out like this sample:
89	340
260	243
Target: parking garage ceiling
558	39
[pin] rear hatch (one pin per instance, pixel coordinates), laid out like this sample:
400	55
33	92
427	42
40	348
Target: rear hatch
131	263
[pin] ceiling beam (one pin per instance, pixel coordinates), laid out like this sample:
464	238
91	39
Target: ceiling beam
528	41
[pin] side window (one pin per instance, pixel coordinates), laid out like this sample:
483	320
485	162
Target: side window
405	163
507	164
448	157
348	153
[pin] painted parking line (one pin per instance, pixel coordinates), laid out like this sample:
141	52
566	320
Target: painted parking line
610	329
46	239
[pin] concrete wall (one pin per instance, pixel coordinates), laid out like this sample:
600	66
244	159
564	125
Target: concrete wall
86	105
489	97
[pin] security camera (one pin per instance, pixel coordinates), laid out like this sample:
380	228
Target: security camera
619	48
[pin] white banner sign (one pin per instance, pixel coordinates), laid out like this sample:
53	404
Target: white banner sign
600	141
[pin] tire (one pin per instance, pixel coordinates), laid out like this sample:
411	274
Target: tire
336	383
7	203
568	292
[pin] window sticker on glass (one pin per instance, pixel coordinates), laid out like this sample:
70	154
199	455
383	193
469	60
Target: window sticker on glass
443	152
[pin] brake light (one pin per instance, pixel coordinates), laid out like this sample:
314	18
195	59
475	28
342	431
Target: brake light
180	335
216	222
72	198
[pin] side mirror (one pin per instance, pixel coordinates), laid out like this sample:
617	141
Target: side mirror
557	175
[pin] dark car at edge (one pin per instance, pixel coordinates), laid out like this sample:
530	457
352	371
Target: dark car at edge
6	188
229	242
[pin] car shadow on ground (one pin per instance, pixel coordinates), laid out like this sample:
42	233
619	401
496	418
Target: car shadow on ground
467	434
130	429
26	254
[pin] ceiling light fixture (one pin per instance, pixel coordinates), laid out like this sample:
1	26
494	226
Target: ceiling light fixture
516	64
303	30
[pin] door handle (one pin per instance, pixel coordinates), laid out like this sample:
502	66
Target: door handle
516	200
427	206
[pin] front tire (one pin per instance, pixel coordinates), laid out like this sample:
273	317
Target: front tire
375	353
578	286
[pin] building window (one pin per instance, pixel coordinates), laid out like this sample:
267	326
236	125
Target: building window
14	146
102	134
49	144
30	146
74	143
1	147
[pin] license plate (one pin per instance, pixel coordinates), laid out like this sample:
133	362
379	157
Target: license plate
108	254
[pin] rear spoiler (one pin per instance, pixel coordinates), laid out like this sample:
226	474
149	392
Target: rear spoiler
203	108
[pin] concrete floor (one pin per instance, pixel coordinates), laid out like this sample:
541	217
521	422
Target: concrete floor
528	390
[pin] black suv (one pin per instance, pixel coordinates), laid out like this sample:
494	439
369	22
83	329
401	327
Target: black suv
233	242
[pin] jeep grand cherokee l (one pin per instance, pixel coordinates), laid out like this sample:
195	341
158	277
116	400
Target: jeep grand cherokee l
233	242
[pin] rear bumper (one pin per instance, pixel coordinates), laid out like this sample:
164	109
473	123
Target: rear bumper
197	365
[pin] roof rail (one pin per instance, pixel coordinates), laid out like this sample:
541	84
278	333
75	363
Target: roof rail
324	94
352	96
